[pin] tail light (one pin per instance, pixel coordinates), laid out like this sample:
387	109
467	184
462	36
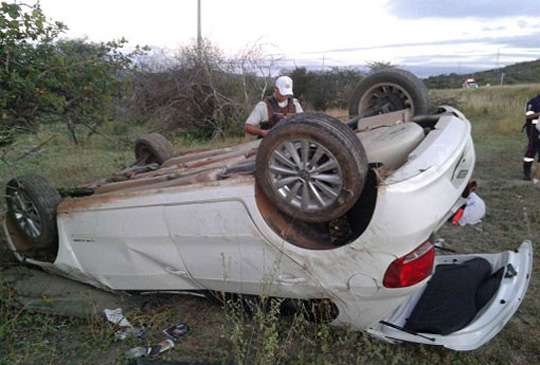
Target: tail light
411	268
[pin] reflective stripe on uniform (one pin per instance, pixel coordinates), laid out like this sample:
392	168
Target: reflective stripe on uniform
528	159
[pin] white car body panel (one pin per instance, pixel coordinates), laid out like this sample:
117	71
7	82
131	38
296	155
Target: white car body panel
213	236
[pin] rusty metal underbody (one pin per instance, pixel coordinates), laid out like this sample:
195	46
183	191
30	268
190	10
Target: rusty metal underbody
191	168
209	165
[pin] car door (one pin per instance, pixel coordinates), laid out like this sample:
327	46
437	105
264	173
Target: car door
123	247
223	250
470	309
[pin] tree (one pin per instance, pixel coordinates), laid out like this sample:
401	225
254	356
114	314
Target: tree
44	79
322	90
196	95
83	81
25	43
379	65
301	80
255	65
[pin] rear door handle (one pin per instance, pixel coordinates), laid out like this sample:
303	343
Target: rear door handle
177	272
290	279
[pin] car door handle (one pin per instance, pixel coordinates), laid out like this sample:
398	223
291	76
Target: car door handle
290	279
174	271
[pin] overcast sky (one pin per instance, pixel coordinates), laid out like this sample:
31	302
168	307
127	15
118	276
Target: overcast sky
425	36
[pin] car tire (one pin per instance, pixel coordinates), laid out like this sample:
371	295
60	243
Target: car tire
311	167
389	90
31	203
152	148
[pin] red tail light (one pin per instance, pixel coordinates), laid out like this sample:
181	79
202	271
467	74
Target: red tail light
411	268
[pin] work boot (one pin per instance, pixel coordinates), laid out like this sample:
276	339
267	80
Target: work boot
527	171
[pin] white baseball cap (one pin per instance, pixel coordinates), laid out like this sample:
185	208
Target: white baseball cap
284	85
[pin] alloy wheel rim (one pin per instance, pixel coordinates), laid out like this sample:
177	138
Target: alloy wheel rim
26	214
306	174
394	96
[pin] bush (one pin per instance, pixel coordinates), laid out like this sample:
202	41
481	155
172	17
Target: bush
44	79
199	94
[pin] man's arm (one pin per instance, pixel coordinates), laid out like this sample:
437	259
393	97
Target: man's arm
258	115
254	130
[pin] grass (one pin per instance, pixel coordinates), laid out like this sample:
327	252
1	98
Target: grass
230	334
496	110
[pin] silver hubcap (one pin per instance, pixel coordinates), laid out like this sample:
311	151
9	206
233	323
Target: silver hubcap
26	214
306	174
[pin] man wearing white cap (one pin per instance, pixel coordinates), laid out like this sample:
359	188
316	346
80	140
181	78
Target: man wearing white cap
272	110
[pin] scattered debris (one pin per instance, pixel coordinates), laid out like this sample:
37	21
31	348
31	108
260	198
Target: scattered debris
150	351
176	331
161	347
137	352
115	316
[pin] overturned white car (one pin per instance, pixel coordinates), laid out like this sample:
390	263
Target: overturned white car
319	210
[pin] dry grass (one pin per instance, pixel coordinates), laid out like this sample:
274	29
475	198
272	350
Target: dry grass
495	110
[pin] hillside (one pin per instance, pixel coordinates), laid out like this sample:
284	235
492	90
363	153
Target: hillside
519	73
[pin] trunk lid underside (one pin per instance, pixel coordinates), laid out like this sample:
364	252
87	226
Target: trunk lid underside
467	301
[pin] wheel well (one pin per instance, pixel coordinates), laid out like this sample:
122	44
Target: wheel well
325	235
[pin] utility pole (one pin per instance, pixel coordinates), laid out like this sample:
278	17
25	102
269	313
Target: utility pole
199	38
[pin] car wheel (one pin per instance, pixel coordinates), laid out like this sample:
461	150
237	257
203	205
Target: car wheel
32	203
152	148
311	167
389	90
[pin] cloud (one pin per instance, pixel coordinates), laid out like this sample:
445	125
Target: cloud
430	58
487	9
526	25
495	29
528	41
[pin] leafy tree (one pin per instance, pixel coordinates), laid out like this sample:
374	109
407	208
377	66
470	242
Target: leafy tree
83	81
25	45
379	65
300	78
45	79
322	90
345	80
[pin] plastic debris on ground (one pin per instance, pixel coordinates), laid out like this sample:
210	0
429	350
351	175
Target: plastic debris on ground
176	331
150	351
115	316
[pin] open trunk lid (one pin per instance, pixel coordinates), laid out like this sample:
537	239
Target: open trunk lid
467	301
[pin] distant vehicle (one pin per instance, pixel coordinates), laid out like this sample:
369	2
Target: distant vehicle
470	84
335	215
